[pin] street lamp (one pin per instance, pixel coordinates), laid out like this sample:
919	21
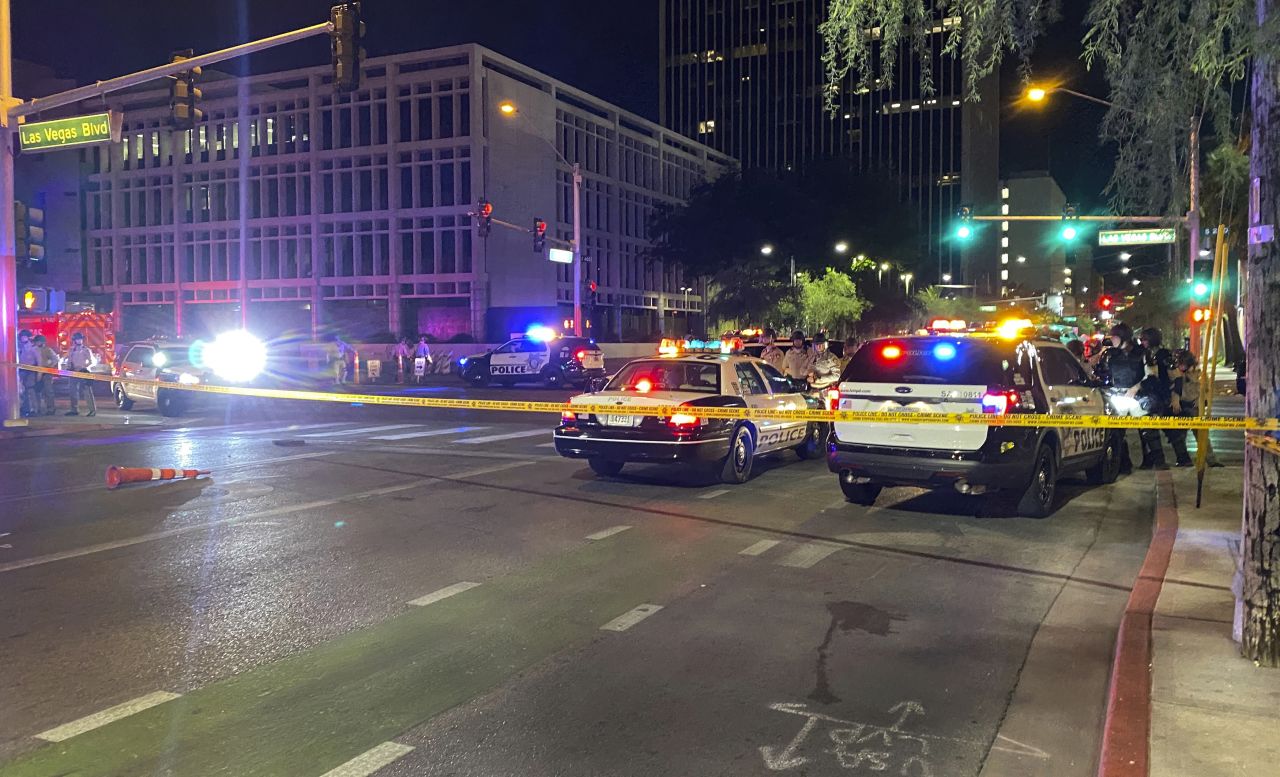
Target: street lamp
766	249
1124	270
1126	256
946	277
841	247
906	280
508	109
1136	281
884	267
1035	94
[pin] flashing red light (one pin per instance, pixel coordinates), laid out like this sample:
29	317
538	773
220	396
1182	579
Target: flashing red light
568	417
592	286
682	421
580	355
644	385
486	209
1000	402
1105	302
891	352
833	399
539	227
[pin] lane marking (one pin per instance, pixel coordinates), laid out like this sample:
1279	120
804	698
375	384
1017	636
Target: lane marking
500	437
809	554
109	715
487	470
429	433
371	761
290	428
757	548
546	445
609	532
443	593
221	468
362	429
714	494
631	617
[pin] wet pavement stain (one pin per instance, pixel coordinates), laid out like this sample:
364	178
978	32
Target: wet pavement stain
847	617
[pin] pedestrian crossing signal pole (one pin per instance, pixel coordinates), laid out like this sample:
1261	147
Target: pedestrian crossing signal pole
10	414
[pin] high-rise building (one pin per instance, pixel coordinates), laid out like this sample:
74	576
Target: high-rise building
746	77
1034	258
293	207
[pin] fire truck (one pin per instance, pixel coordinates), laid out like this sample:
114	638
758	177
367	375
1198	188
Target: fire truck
98	330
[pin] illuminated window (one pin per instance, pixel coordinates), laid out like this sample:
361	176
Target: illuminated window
1004	226
1004	242
1004	258
1004	209
1004	275
1004	193
706	127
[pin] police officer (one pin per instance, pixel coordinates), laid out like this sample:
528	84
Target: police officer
772	354
79	359
825	371
28	355
799	360
1157	387
1122	367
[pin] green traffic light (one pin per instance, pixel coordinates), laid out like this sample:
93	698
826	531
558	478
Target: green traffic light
1201	289
1068	233
964	232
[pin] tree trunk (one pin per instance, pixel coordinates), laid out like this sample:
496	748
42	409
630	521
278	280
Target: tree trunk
1260	551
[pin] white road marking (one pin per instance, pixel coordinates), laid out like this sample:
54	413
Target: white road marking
443	593
290	428
609	532
714	494
551	444
500	437
631	617
757	548
361	430
371	761
429	433
809	554
471	473
109	715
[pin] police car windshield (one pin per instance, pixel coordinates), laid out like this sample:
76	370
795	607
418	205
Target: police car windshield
657	375
955	361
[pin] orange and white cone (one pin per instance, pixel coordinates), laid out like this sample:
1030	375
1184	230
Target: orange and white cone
117	476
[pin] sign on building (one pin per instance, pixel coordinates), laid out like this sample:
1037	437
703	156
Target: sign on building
1136	237
69	133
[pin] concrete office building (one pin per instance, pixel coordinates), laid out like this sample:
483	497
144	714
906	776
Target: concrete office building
1033	258
746	77
293	208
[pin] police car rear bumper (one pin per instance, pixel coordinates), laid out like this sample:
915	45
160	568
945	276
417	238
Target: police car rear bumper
930	468
576	373
574	443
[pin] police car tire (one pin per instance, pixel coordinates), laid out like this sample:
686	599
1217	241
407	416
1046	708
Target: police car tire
553	377
860	493
122	400
605	467
168	404
1107	470
814	435
476	378
737	465
1038	499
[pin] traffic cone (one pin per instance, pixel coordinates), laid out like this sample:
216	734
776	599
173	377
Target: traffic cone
117	476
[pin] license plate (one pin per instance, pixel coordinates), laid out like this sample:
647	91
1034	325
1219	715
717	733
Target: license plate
621	420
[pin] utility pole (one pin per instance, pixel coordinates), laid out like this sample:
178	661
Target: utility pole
10	411
577	249
1193	224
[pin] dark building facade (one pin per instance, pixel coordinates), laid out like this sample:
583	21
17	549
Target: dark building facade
746	78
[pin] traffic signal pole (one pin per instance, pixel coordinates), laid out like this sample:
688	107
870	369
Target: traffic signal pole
577	249
10	410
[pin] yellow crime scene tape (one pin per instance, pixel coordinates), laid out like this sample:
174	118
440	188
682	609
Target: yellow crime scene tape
734	413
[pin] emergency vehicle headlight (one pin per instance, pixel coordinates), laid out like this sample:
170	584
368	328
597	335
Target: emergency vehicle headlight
236	356
188	379
159	359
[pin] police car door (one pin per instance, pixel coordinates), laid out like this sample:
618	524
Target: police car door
139	363
758	393
1065	387
511	360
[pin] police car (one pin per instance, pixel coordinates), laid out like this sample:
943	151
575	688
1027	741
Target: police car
682	378
158	360
954	373
541	356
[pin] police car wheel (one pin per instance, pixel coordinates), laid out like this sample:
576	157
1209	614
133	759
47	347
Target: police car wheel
553	377
604	467
477	378
737	465
1107	470
1037	500
168	404
122	399
860	493
814	435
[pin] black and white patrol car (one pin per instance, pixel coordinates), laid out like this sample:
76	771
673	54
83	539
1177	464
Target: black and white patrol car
969	374
698	375
548	359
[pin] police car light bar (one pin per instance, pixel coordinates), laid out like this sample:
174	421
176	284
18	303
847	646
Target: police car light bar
943	325
541	334
671	347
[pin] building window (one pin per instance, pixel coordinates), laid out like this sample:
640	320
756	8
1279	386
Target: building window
1004	275
706	127
1004	242
1004	209
1004	226
1004	258
1004	192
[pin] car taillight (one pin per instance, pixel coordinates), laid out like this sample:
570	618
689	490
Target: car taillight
833	399
1001	402
580	355
682	421
569	417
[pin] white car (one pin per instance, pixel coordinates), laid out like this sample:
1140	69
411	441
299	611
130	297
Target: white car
969	374
548	359
695	375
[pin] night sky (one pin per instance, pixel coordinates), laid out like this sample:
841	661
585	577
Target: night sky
605	47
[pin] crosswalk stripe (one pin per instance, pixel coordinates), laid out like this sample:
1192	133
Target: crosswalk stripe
370	761
290	428
757	548
443	593
500	437
429	433
809	554
361	430
109	715
631	617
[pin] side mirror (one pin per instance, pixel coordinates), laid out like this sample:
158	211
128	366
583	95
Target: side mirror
597	384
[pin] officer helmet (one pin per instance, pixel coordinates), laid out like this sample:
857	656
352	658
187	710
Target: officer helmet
819	338
797	335
1122	331
1152	336
769	333
77	337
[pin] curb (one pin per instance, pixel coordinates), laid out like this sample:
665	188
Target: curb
19	433
1127	728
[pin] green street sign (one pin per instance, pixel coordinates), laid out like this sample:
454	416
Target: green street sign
68	133
1136	237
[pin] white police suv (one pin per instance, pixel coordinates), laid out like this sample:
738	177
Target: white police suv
960	373
541	356
681	379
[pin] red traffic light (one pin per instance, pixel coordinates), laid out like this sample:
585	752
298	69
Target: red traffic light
539	227
1106	302
1201	315
591	285
486	209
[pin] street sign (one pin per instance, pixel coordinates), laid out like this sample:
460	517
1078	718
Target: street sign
1136	237
1263	233
560	256
69	133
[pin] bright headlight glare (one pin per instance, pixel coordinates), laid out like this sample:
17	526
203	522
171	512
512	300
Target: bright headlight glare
188	379
236	357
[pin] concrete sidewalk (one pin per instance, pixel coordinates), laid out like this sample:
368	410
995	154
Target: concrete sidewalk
1212	712
107	418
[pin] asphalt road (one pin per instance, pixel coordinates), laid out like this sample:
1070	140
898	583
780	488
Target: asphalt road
437	591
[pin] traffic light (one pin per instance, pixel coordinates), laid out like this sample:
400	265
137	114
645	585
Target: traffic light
28	241
1200	290
964	230
1201	315
184	97
345	45
34	300
539	236
1070	223
1105	302
484	211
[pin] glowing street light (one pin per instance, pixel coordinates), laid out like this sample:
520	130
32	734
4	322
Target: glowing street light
946	277
507	107
1124	270
1036	94
766	249
1136	281
842	247
1126	256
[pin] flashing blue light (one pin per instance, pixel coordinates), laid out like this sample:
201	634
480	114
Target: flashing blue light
944	352
540	333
